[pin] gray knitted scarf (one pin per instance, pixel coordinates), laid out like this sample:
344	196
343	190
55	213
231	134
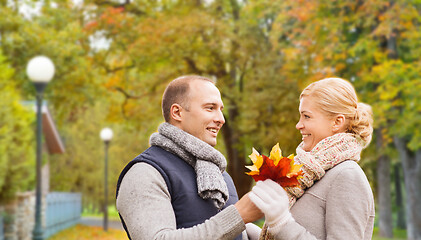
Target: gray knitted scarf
208	163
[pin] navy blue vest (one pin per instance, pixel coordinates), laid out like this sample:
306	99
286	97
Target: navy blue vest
189	208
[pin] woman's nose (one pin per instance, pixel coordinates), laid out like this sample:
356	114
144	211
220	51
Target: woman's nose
299	125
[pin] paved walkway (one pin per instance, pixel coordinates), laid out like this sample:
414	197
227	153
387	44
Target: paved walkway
92	221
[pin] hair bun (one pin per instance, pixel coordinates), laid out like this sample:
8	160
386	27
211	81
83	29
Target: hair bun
362	124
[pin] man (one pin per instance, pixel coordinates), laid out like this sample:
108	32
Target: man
178	188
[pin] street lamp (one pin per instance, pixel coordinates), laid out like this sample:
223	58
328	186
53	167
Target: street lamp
40	70
106	135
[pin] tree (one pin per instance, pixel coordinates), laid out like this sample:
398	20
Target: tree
376	45
402	76
401	223
56	32
16	137
151	47
384	190
262	54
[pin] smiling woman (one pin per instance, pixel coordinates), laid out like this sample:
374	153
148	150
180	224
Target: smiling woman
334	190
335	104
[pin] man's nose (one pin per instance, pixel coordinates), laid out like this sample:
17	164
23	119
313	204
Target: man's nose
220	118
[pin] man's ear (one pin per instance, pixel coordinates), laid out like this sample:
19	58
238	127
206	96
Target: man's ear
339	123
175	112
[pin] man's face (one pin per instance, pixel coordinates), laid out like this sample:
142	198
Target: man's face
202	114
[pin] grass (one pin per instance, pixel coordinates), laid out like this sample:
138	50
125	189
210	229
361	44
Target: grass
112	213
398	234
81	232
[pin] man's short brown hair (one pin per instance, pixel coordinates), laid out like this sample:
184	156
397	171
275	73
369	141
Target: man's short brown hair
177	92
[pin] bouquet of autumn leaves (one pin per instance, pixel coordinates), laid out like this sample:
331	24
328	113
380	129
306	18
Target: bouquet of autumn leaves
276	167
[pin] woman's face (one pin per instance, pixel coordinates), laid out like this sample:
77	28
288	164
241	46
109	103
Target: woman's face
314	124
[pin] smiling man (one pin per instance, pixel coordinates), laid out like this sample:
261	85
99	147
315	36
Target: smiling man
178	188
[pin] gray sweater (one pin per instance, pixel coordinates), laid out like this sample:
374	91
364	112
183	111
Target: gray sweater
145	204
339	206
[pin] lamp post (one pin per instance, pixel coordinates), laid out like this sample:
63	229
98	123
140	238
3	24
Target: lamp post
40	70
106	135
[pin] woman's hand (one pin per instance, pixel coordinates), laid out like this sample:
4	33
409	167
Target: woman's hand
272	200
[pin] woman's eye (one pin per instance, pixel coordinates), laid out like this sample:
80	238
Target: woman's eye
306	116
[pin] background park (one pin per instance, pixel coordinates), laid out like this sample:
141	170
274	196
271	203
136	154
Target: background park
113	60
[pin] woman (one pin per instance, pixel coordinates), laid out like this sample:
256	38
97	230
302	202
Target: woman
334	199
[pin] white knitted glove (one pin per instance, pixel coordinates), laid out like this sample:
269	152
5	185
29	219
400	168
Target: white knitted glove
272	200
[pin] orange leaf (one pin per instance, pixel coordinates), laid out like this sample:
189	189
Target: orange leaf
276	167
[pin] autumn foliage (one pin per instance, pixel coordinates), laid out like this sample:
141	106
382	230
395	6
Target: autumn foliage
82	232
276	167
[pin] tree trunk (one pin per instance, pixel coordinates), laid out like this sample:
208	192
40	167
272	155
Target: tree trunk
411	163
235	151
399	198
235	156
384	195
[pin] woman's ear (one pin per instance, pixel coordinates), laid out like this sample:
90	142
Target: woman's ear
175	112
339	123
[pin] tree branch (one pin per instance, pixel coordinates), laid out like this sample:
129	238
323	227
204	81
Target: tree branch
190	62
128	7
127	95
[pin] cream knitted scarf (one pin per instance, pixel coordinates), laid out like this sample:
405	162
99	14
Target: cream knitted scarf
328	153
208	163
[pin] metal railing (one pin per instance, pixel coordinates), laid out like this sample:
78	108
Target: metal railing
63	210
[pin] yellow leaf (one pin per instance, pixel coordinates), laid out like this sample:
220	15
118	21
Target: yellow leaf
276	154
254	170
251	173
294	169
256	158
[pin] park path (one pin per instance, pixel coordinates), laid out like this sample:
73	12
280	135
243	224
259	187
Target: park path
93	221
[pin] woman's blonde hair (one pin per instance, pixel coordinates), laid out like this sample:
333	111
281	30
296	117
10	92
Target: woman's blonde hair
337	96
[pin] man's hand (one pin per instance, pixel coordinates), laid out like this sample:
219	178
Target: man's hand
248	211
